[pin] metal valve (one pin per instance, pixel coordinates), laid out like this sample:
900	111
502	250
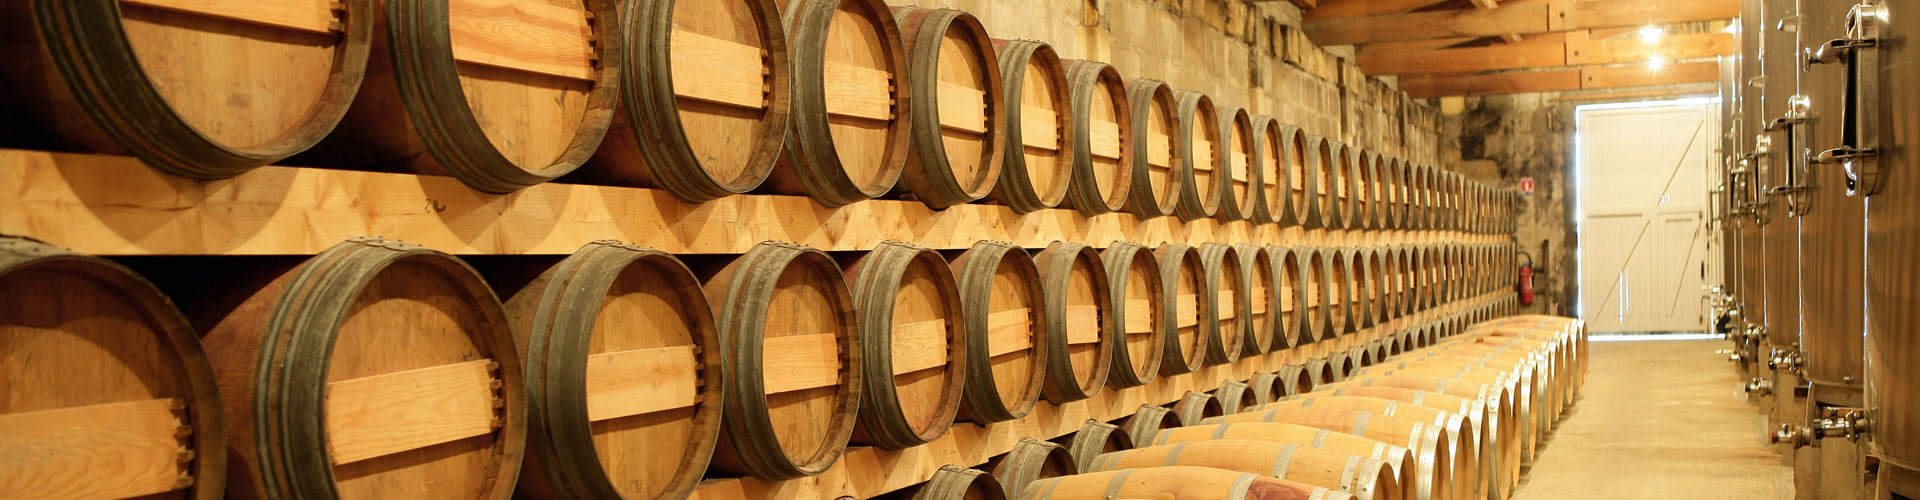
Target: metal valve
1786	360
1849	423
1759	386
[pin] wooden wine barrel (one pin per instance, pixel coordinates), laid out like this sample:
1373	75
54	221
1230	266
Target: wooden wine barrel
1040	130
1194	407
796	363
93	350
1409	292
1471	479
1290	290
417	391
1234	396
1344	186
1159	165
1007	364
1500	399
1379	191
1103	153
1384	263
1320	372
1175	483
1362	204
1261	277
517	118
1319	293
190	88
1493	424
606	400
1426	270
1079	325
1183	279
1226	290
710	122
1379	348
1271	152
1400	459
1360	357
849	132
1303	157
1433	472
1200	149
952	482
1140	309
910	322
1366	288
1426	199
1148	421
1324	210
1453	193
960	125
1365	478
1343	306
1031	460
1380	280
1293	379
1393	188
1240	165
1094	439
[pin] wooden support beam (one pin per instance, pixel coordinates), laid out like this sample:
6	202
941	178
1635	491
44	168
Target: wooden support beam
1644	95
1514	18
1554	49
1589	77
1334	9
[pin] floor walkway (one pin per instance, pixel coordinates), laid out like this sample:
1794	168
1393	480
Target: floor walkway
1659	420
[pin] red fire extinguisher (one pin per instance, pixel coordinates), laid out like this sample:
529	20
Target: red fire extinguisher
1525	284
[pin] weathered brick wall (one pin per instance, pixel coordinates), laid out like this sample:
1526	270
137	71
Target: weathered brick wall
1237	52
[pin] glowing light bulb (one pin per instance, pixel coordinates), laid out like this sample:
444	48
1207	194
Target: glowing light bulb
1656	62
1651	34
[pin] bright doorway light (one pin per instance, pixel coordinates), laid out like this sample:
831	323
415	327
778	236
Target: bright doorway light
1652	34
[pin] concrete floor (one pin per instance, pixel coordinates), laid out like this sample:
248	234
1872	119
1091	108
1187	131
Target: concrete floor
1657	420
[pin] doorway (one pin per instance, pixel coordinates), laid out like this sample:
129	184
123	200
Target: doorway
1641	171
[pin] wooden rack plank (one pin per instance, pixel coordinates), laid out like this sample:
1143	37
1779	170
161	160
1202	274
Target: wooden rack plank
1083	324
1103	138
639	381
867	471
1238	169
1159	150
110	205
919	345
380	415
112	450
858	92
525	36
719	71
314	16
797	362
1139	316
1039	128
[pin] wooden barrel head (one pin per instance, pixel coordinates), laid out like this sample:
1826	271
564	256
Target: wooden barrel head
1157	177
1393	290
1360	297
196	89
1000	290
643	420
1183	279
1103	137
707	100
1041	146
1094	438
1080	321
952	482
419	390
851	119
959	117
1140	309
92	350
1201	152
1147	422
1234	396
1194	407
1301	161
1339	292
912	322
1290	290
1240	164
1225	330
1392	197
1346	186
1318	294
1263	300
795	371
1362	204
1323	184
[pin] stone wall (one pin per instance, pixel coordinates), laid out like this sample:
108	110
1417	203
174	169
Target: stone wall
1502	139
1239	53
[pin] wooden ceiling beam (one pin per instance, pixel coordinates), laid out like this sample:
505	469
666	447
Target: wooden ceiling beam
1586	77
1334	9
1554	49
1514	18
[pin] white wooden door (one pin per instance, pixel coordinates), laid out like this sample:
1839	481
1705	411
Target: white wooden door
1643	173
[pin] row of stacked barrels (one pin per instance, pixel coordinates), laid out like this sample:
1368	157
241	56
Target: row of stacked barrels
383	369
1455	415
838	100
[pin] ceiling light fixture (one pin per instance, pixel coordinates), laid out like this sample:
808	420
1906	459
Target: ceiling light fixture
1656	62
